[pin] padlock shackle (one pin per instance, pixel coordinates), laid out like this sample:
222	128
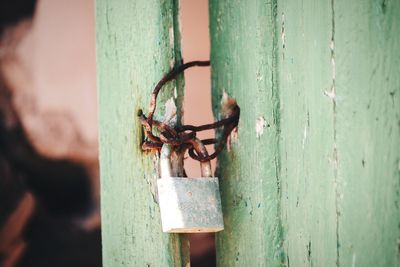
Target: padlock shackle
165	160
205	166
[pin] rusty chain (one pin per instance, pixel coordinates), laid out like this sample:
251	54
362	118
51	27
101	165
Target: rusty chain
184	137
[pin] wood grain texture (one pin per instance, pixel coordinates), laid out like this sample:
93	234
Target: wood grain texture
313	178
367	53
243	67
137	43
307	132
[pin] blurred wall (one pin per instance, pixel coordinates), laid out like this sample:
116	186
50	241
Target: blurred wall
53	68
196	46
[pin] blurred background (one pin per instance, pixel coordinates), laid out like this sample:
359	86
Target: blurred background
49	180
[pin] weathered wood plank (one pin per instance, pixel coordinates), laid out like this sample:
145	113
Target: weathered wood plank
243	67
319	185
367	130
137	43
308	183
339	210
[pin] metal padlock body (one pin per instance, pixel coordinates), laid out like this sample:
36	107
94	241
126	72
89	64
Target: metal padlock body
188	205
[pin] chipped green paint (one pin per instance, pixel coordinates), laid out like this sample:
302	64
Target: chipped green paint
137	43
313	178
367	42
243	66
307	132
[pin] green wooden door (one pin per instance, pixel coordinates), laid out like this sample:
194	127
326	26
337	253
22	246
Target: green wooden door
137	42
312	177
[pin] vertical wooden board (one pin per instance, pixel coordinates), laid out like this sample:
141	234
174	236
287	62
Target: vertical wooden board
306	136
367	53
324	172
137	43
243	41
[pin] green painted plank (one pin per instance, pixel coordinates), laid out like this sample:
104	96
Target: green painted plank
339	211
367	42
308	182
321	185
137	43
243	64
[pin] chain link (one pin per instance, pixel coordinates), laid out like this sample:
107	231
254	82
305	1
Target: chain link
184	137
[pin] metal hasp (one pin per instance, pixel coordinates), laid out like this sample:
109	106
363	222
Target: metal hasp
188	205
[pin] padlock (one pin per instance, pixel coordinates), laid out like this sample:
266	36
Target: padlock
188	205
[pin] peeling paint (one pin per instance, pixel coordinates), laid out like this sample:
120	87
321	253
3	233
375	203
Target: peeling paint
331	94
224	103
227	104
353	261
304	135
172	63
170	112
171	37
232	138
172	45
261	123
283	35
